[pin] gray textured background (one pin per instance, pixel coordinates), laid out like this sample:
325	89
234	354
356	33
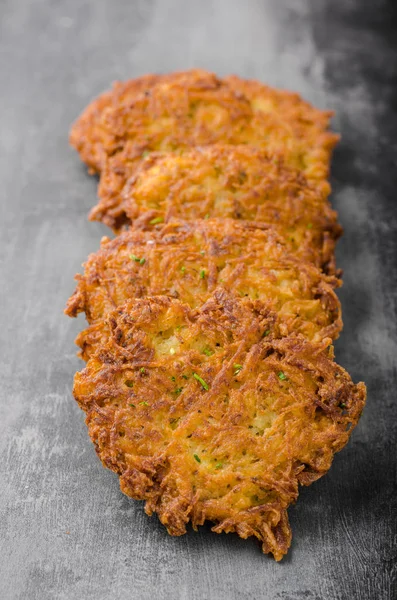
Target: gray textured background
66	531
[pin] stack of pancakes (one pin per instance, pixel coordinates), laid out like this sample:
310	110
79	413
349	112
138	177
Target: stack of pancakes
210	385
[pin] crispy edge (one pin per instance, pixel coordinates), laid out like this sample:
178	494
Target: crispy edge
85	132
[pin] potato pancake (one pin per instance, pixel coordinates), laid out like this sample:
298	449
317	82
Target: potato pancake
189	260
196	108
204	417
237	182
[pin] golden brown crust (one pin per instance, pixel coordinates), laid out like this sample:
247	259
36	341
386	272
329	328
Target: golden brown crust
205	419
304	121
188	260
238	182
85	132
196	108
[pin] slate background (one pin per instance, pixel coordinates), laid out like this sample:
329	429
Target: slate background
66	531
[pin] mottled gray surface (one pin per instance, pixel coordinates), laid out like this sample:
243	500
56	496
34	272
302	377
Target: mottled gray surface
66	531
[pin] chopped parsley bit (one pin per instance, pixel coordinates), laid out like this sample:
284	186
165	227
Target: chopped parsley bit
130	404
201	380
282	376
173	378
266	333
208	352
196	457
183	269
137	259
185	376
342	405
202	274
309	225
237	369
142	370
156	220
202	252
145	153
129	383
219	465
207	216
178	390
144	403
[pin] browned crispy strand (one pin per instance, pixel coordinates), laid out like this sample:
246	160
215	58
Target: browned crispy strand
195	108
204	418
237	182
188	260
85	133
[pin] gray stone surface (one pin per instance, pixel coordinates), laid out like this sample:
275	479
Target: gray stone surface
66	531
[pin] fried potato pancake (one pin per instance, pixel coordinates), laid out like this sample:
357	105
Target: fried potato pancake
204	418
237	182
188	260
196	108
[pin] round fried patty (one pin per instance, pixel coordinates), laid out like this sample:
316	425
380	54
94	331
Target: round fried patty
196	108
237	182
189	260
205	417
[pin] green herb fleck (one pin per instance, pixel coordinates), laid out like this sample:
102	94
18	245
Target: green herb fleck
144	403
201	380
207	216
130	404
183	269
208	352
342	405
185	376
202	252
137	259
142	370
196	457
178	390
202	274
266	333
309	225
173	378
145	153
237	369
156	221
129	383
282	376
219	465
